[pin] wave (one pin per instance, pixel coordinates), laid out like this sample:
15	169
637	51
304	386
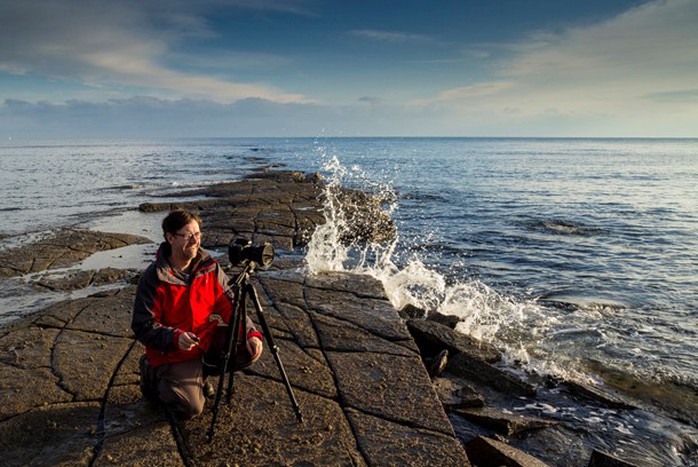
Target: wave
517	327
202	183
555	334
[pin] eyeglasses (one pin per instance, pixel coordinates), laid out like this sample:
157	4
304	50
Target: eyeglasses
189	237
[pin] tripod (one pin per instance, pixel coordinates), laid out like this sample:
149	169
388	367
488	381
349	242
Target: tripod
242	288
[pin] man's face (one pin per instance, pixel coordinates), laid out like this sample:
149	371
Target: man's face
186	241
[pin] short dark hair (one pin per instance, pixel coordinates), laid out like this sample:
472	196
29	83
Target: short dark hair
177	219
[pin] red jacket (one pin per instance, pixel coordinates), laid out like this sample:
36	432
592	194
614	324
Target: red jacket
166	306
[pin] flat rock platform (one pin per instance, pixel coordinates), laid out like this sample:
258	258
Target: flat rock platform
69	391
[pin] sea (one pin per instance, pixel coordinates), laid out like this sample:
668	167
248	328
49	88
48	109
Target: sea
577	257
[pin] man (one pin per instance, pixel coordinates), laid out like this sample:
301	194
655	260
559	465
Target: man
181	299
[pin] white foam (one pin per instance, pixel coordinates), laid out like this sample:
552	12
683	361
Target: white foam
519	328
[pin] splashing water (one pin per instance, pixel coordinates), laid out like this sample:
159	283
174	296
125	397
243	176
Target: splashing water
324	250
517	327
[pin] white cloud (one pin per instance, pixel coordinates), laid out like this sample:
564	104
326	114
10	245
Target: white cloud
112	43
631	75
652	45
613	73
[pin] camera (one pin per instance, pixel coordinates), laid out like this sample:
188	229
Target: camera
242	251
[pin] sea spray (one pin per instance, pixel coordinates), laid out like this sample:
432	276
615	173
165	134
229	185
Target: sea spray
519	327
325	251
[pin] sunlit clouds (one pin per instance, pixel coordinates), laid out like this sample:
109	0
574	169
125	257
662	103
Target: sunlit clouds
305	66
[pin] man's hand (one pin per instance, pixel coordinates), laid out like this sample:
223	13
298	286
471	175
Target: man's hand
255	347
187	340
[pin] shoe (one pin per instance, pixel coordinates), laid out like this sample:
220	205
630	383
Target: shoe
209	391
148	382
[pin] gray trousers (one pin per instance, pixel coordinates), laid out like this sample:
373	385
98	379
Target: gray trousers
180	387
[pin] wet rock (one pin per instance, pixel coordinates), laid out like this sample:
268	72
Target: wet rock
484	373
287	292
450	321
437	364
457	396
60	249
601	459
597	394
432	337
362	286
366	220
80	279
301	177
468	357
410	311
503	422
376	316
486	452
295	322
275	206
271	206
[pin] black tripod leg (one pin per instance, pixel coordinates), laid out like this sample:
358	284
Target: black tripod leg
229	392
216	406
230	350
274	350
240	322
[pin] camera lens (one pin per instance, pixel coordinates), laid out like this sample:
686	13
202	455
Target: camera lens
241	251
266	255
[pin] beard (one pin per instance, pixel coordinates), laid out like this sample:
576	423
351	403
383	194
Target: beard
189	252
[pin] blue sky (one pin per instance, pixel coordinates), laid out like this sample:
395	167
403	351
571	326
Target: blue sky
159	68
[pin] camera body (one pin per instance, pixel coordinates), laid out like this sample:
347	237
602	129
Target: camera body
242	251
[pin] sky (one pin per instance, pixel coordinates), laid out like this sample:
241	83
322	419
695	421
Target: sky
499	68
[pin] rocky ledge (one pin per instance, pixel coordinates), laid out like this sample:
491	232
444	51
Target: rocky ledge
69	376
374	385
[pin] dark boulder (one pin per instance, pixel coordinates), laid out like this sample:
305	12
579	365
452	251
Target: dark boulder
601	459
456	396
486	452
506	423
433	337
482	372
